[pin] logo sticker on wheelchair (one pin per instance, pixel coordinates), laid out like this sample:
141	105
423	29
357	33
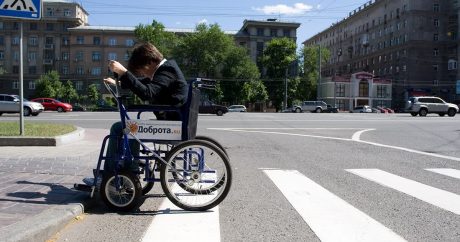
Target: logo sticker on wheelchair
154	129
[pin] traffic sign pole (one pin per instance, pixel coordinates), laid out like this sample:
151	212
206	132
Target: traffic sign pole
25	9
21	82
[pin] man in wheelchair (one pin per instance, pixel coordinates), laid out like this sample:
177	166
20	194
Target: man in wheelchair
153	79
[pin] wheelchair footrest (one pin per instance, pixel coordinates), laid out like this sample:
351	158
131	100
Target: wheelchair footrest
82	187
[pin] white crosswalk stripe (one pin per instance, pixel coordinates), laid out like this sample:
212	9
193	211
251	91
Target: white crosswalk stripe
446	171
440	198
330	217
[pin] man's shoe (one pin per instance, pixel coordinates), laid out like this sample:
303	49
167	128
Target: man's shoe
90	181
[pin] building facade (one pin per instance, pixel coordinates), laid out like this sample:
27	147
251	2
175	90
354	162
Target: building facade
64	41
413	43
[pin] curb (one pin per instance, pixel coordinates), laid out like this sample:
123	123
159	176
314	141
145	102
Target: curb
43	226
43	141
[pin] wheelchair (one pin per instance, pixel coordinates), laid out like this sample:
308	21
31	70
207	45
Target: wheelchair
194	171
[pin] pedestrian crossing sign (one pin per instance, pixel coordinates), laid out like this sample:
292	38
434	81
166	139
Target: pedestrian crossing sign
23	9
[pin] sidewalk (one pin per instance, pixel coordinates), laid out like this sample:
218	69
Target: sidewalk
36	195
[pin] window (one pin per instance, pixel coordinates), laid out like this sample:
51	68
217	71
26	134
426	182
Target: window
129	42
126	56
96	56
435	67
80	40
286	33
436	7
49	26
2	55
80	70
112	41
33	40
79	56
436	22
65	40
435	37
32	70
452	65
97	40
260	32
273	32
15	25
435	83
435	52
2	40
49	12
67	12
96	71
79	85
31	85
33	26
363	88
381	91
404	68
49	40
32	56
16	55
15	83
260	48
65	55
15	40
112	56
1	25
65	70
340	89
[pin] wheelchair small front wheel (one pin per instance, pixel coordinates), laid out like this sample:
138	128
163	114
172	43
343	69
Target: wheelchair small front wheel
122	192
197	175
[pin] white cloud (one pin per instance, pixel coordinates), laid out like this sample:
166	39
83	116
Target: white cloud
296	9
178	23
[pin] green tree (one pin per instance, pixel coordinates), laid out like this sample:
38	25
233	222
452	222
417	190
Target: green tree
155	34
238	69
310	69
254	91
93	93
69	92
279	54
202	54
49	85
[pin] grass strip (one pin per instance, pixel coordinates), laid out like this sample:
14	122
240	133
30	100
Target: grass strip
35	129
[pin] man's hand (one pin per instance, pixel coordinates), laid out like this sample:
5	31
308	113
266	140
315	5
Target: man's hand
116	67
109	80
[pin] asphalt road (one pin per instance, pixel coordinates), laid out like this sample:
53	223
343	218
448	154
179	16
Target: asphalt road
306	177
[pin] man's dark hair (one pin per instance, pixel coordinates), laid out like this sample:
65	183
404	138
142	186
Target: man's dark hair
144	54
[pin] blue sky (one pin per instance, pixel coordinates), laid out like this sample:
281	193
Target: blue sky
313	15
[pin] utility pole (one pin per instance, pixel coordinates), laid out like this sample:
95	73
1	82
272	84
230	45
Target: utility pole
319	71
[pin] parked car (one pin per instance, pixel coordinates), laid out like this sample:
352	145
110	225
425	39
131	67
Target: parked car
105	108
237	108
207	106
425	105
310	106
362	109
10	104
331	109
78	107
53	104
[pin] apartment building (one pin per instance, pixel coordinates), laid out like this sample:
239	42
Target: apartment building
410	43
63	40
254	34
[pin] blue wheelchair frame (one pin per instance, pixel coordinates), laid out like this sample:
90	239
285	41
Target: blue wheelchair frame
188	116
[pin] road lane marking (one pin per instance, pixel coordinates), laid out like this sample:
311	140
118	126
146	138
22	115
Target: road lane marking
177	225
345	139
330	217
440	198
357	135
447	172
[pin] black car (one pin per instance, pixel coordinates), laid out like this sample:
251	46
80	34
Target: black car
331	109
212	108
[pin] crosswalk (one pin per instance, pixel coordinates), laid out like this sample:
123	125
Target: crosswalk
333	219
330	217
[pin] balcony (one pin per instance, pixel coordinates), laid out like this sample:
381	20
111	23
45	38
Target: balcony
47	62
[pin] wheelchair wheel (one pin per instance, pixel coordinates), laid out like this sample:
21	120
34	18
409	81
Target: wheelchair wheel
197	175
128	195
213	141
